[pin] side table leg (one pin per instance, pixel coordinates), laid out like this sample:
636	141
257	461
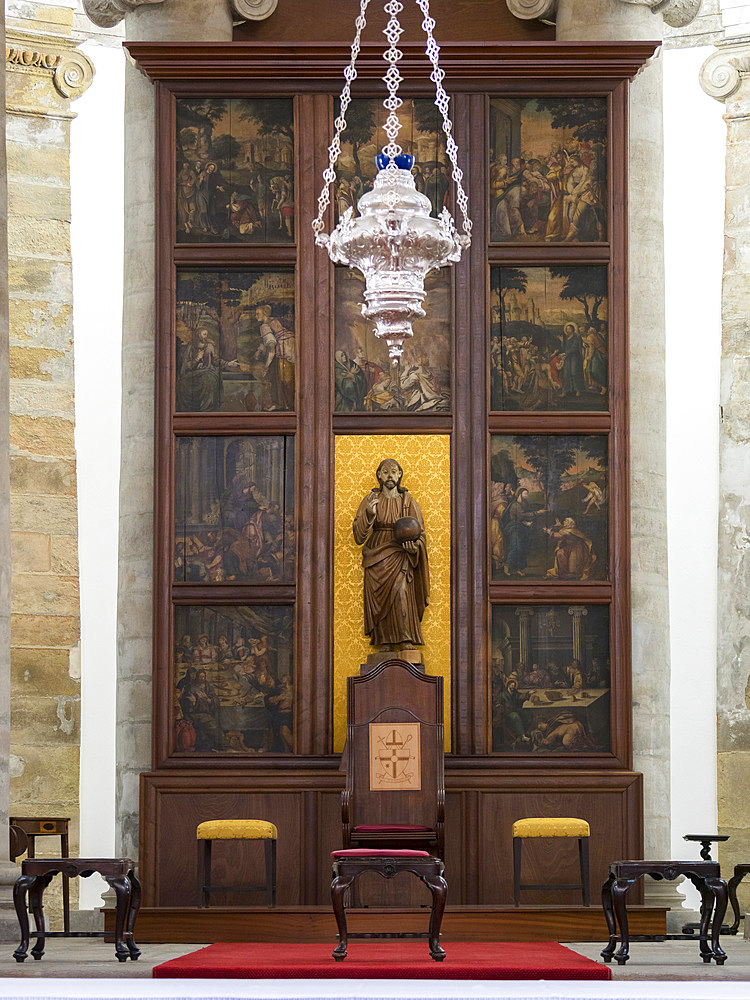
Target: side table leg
439	889
339	887
732	884
135	905
719	889
707	905
36	893
609	915
619	897
20	889
121	885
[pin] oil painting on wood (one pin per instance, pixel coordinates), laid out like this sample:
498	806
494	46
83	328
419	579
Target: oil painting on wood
549	510
550	676
421	135
235	341
549	341
548	170
235	171
234	510
366	380
233	679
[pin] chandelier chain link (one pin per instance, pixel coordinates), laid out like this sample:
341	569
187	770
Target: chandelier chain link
392	79
334	150
442	100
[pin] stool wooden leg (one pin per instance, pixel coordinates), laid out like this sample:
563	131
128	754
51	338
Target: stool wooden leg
204	870
339	887
270	846
439	889
36	894
123	891
135	905
517	843
20	889
583	858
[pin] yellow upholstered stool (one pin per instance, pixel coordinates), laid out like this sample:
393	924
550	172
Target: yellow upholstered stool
544	826
236	829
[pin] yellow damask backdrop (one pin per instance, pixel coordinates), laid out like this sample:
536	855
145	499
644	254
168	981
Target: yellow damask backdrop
425	459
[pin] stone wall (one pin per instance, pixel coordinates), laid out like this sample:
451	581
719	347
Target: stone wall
44	72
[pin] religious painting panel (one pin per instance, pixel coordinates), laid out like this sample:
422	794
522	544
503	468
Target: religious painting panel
549	508
234	510
235	170
366	380
549	341
235	341
421	136
548	170
550	679
233	679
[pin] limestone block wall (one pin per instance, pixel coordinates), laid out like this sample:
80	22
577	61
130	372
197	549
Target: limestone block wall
44	73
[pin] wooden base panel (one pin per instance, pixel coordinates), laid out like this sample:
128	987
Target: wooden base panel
308	924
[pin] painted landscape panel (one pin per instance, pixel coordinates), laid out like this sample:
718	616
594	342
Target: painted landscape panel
548	170
365	378
549	509
233	680
421	136
549	340
235	170
235	341
550	679
234	510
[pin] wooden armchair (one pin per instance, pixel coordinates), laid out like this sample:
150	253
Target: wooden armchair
394	760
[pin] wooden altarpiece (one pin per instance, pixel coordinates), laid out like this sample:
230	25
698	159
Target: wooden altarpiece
287	773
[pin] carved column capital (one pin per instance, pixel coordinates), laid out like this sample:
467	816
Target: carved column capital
52	56
676	13
530	10
721	74
107	13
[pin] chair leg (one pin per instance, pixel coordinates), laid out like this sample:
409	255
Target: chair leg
517	843
204	870
583	857
270	848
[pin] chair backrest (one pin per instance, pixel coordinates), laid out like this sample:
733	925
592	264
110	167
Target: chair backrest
395	747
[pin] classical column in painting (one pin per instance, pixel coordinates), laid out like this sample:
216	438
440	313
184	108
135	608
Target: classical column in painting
726	76
625	20
578	614
156	21
524	637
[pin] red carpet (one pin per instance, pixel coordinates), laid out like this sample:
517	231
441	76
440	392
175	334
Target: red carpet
386	960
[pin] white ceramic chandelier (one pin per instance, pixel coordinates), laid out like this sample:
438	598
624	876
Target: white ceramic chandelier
393	240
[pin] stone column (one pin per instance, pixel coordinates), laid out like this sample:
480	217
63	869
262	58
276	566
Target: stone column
726	76
624	20
578	614
156	21
44	73
524	636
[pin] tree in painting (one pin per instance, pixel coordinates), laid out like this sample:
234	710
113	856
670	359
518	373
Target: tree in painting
235	172
233	679
548	507
548	171
548	338
550	679
235	348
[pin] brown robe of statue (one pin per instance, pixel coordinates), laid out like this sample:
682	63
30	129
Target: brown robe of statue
397	582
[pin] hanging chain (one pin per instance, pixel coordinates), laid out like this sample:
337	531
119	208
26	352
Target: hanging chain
441	100
334	150
392	79
392	103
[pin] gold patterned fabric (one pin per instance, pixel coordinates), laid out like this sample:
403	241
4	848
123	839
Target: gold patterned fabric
540	826
236	829
425	459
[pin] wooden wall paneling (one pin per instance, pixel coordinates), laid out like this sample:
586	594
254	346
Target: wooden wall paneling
314	642
469	486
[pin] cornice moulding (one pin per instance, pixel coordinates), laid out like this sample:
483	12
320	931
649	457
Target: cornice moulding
722	73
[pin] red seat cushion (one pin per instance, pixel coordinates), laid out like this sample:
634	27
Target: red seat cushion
377	852
391	828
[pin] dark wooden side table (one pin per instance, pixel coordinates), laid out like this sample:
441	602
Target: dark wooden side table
48	826
705	840
705	876
36	875
388	864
